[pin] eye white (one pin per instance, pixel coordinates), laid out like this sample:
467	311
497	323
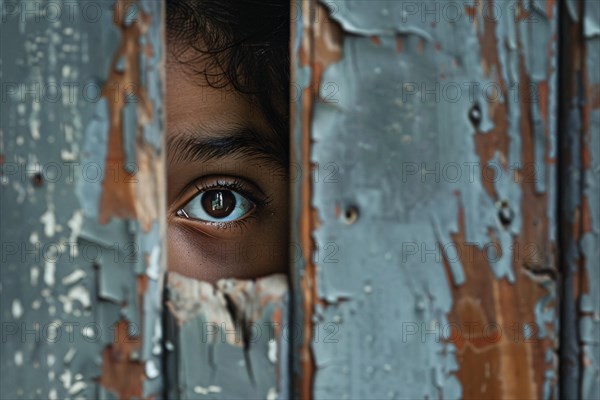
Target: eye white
196	210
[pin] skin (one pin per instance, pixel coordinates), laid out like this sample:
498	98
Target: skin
256	244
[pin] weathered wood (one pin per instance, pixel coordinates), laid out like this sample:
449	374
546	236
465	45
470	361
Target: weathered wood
442	134
425	204
82	202
580	200
227	340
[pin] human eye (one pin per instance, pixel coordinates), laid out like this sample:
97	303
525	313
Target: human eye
221	201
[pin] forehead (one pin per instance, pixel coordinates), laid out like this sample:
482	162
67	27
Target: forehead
194	105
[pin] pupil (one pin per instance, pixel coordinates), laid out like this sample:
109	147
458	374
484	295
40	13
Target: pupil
218	203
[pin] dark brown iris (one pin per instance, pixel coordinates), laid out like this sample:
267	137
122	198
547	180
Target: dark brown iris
218	203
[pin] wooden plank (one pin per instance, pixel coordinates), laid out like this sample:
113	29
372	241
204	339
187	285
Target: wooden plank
442	138
82	199
580	239
228	339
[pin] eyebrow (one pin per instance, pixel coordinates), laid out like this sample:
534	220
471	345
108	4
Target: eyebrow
190	147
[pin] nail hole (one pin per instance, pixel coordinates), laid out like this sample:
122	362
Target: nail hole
475	115
37	179
350	215
505	214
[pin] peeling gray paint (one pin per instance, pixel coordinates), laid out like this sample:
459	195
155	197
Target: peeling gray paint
383	281
93	156
589	326
509	61
535	40
225	336
64	297
591	21
130	118
384	19
388	137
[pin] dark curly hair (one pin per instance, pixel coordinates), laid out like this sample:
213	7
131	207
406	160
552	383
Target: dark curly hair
242	43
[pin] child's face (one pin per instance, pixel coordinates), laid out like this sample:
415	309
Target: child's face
227	197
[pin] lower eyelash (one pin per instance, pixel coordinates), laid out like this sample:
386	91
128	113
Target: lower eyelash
231	225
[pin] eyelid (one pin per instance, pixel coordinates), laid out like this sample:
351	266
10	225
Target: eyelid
228	182
242	187
243	204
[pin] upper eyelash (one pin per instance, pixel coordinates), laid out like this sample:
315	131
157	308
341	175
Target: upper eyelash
235	185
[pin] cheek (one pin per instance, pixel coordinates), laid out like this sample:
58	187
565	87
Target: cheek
201	257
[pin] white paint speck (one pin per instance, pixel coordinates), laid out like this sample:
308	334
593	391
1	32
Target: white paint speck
67	303
17	309
207	390
67	155
272	394
34	275
34	238
200	390
77	387
49	221
18	358
70	354
73	277
52	394
151	371
75	223
50	360
272	354
81	294
49	271
65	378
153	270
34	128
156	338
89	332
